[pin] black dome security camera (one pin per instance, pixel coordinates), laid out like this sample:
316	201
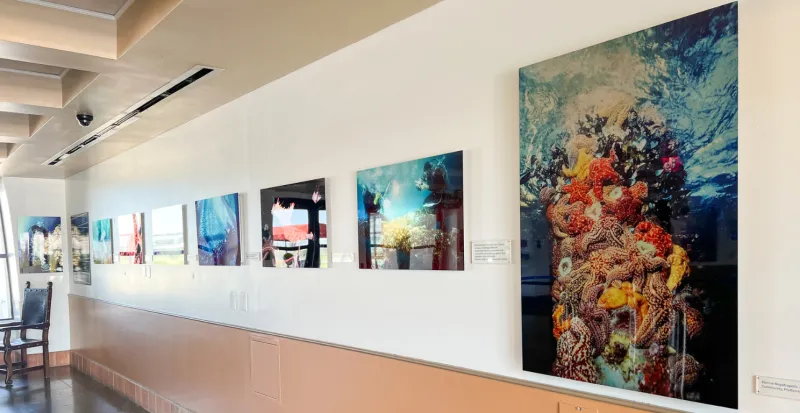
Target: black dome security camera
85	119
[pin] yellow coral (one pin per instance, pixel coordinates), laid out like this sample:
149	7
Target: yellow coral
678	267
612	298
581	168
622	294
559	327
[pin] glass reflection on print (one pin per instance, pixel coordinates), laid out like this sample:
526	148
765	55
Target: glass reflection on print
79	244
411	215
131	240
102	244
218	238
294	221
169	235
40	244
628	205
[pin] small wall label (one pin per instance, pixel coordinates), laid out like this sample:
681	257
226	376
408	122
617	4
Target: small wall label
785	388
491	252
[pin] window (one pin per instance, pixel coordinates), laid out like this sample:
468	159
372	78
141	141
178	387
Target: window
6	311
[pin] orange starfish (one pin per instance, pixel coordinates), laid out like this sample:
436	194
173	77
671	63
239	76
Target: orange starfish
601	170
578	191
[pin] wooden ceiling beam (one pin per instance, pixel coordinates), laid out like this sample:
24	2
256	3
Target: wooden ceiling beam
57	29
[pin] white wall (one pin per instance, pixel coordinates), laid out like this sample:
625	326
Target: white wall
40	197
443	80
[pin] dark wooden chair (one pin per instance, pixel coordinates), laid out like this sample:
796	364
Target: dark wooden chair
35	316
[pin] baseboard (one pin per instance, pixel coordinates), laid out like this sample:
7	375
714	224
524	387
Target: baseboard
57	358
144	397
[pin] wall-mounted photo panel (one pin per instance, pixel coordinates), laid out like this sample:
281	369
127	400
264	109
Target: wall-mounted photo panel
218	236
102	241
79	244
628	205
411	214
40	244
169	235
294	225
131	238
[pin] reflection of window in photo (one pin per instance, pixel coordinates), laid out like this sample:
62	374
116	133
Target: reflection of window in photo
376	239
293	242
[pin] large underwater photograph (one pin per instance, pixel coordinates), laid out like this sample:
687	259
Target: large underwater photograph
79	244
40	248
131	238
628	208
218	237
294	225
411	214
102	244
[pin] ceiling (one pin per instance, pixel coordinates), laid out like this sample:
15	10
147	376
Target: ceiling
30	67
110	7
56	62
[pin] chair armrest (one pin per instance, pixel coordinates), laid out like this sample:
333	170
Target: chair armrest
11	326
19	326
10	323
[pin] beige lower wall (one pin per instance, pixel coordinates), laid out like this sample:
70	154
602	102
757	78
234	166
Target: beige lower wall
207	368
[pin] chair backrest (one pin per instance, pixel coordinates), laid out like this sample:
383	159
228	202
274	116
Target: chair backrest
36	304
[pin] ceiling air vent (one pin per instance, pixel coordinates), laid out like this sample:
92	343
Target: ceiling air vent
132	114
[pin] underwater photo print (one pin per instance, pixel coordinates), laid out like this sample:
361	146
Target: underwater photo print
79	244
294	225
40	245
169	235
102	244
131	238
628	207
218	237
411	214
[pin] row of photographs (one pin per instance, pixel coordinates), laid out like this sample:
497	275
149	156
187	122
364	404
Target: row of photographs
410	216
628	171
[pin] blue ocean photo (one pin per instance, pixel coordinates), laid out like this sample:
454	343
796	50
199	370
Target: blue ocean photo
411	214
218	237
40	244
102	244
81	250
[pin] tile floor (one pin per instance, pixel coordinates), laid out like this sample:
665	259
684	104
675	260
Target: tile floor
69	391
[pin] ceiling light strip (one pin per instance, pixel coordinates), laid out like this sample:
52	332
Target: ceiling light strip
131	114
70	9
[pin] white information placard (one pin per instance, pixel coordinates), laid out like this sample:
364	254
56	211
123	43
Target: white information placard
491	252
770	386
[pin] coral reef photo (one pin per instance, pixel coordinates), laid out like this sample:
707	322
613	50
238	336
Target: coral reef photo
628	200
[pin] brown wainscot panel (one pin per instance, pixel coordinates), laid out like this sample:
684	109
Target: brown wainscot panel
208	368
